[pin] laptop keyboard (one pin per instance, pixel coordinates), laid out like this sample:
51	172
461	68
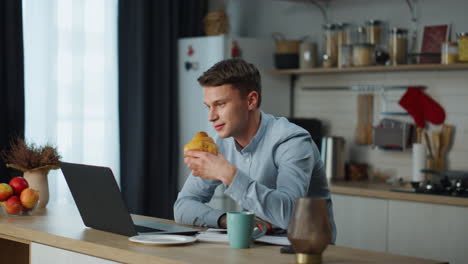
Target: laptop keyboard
144	229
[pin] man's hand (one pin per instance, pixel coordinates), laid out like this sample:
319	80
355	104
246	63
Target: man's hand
222	221
210	167
260	226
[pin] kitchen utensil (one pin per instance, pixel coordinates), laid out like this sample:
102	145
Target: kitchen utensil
428	145
445	140
309	230
436	143
446	137
360	134
419	131
370	118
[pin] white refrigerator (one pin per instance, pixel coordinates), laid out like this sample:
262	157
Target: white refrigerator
197	55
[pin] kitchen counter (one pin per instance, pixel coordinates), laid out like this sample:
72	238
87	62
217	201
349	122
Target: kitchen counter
61	228
384	191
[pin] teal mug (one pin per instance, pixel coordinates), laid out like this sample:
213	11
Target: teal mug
240	228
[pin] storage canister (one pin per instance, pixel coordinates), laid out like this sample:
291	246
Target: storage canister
449	53
344	34
374	32
398	46
331	44
308	55
345	56
463	46
363	54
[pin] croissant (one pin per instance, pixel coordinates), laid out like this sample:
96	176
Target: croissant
202	142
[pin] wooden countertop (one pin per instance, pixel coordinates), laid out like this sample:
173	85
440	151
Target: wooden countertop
384	191
62	227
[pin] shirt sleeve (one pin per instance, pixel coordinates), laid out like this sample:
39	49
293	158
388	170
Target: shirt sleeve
294	159
190	207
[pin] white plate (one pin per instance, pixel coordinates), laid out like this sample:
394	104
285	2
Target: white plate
163	240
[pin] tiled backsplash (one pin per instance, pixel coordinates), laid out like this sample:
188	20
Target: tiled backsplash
338	111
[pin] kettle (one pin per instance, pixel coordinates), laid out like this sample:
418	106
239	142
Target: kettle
333	157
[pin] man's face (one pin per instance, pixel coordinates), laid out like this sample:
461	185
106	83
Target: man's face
227	110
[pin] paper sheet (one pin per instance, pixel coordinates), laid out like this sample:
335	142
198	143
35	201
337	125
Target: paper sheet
220	236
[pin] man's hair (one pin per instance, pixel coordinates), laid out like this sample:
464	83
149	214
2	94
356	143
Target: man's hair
237	72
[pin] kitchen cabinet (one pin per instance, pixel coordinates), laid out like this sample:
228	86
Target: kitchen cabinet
42	254
407	228
427	230
361	222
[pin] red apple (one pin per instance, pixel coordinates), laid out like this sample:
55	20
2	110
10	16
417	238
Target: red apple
5	191
13	205
18	184
29	198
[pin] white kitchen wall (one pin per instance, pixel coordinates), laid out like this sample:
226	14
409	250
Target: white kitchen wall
295	19
338	108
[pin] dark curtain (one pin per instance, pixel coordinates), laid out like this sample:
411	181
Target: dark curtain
11	78
148	33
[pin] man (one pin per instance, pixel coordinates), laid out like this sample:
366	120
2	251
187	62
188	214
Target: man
266	163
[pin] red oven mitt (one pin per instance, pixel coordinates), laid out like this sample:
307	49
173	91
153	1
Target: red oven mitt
422	107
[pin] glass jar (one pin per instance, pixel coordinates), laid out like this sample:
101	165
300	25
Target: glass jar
345	56
344	34
330	44
463	46
374	32
344	39
449	53
398	46
363	54
361	36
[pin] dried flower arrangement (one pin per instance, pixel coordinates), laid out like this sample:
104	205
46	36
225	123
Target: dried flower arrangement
29	157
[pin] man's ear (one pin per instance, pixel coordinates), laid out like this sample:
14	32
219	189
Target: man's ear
252	100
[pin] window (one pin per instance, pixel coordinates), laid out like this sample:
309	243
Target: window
71	89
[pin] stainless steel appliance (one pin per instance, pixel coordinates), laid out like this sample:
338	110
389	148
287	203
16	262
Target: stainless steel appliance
333	157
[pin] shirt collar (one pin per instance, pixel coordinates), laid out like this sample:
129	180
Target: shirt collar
264	118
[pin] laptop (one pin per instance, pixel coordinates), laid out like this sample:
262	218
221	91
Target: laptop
102	207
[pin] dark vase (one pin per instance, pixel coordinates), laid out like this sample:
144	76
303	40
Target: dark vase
309	230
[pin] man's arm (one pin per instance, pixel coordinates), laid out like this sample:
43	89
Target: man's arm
190	207
294	158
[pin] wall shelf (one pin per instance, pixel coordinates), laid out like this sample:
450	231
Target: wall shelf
294	73
412	67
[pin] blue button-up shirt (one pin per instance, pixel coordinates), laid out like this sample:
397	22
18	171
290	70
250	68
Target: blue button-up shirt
278	166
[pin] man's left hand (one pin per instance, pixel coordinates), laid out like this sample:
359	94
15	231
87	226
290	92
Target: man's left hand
260	226
210	167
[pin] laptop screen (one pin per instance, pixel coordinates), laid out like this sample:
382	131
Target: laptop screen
98	198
